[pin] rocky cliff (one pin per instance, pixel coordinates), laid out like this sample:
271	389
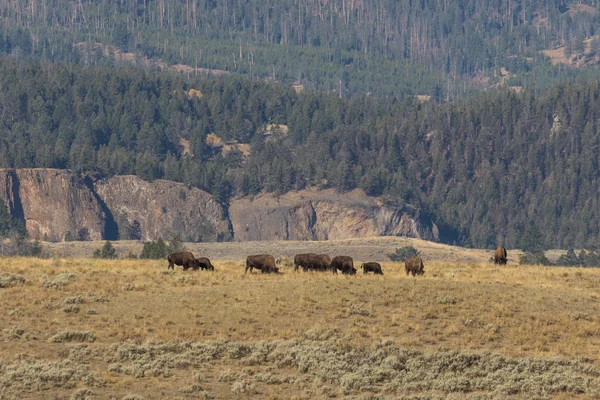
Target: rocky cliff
323	215
148	210
54	203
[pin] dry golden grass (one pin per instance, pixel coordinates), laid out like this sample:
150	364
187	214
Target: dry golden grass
81	328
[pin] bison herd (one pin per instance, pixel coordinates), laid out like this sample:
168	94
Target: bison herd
265	263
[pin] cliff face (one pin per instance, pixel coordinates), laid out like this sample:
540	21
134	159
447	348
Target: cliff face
323	215
52	202
148	210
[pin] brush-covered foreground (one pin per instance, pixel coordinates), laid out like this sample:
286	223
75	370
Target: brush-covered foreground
130	329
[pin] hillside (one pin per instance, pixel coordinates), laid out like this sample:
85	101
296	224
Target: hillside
441	49
128	328
481	170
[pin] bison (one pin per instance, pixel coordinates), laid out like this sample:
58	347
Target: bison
184	258
302	260
318	262
204	263
414	265
264	262
500	255
372	267
344	264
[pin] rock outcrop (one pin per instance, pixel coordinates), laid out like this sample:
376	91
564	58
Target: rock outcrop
58	203
53	203
148	210
323	215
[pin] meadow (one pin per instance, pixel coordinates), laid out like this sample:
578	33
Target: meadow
77	328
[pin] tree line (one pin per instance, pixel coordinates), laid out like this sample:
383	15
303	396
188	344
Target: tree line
386	47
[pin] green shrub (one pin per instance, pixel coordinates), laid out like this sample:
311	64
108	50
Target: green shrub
21	246
107	251
534	259
158	249
584	259
154	249
402	253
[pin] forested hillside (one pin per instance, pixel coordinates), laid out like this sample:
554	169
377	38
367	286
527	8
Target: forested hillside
444	49
483	168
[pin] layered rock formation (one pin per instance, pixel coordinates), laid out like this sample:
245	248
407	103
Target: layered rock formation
323	215
53	203
58	203
159	208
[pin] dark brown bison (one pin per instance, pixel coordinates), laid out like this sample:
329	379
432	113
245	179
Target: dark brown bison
344	264
204	263
372	267
500	255
308	261
414	266
184	258
264	262
302	260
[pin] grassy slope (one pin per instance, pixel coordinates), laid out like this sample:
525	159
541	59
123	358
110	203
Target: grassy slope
464	327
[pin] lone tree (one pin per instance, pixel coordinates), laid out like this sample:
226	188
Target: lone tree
532	241
402	253
533	245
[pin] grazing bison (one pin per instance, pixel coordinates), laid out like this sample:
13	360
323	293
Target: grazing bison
318	262
414	265
349	271
500	255
302	260
344	264
184	258
264	262
372	267
204	263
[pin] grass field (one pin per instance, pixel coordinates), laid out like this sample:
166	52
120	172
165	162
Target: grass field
130	329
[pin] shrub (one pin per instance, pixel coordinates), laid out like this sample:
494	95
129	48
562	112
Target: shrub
534	259
83	235
569	259
584	259
402	253
155	250
74	300
71	309
11	280
60	280
21	246
107	251
68	336
175	243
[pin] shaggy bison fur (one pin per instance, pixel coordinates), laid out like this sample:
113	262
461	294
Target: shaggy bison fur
308	261
183	258
372	267
264	262
414	266
344	264
204	263
500	255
